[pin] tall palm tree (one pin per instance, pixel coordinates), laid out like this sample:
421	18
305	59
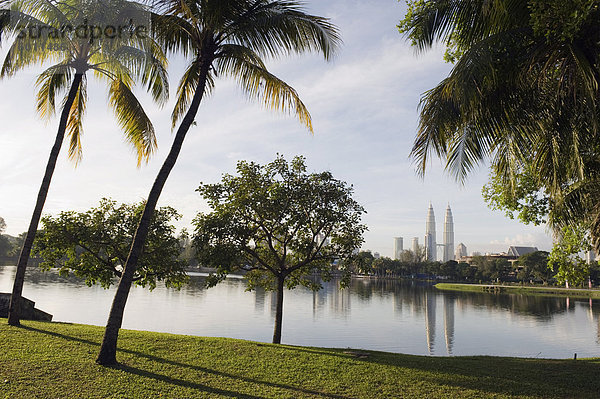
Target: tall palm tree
523	93
46	31
221	38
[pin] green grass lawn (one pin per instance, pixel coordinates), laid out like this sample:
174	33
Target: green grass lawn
55	360
522	289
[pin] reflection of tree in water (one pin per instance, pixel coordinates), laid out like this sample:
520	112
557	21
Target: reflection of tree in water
37	276
543	308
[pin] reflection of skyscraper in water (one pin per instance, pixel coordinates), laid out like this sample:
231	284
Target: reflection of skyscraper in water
273	295
449	322
339	301
430	320
259	300
320	299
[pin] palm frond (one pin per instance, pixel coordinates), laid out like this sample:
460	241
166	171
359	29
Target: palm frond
133	120
258	83
75	122
186	89
280	27
51	83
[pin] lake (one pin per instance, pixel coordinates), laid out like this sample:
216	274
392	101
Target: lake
388	315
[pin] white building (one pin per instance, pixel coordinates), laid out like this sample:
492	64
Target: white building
415	245
461	250
448	235
398	247
430	244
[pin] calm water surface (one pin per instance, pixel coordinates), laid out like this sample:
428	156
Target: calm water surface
386	315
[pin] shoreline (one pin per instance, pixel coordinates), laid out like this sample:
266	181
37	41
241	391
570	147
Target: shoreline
523	290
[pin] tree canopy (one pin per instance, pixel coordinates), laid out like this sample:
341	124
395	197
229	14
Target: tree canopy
279	224
94	245
523	94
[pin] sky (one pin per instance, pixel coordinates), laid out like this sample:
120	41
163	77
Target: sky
364	106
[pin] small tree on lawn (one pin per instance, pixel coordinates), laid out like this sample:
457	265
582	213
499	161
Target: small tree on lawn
94	245
279	224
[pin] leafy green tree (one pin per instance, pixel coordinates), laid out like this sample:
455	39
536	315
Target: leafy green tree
361	263
466	271
17	244
4	245
280	224
523	93
565	259
449	269
94	245
525	198
41	35
221	38
534	266
4	242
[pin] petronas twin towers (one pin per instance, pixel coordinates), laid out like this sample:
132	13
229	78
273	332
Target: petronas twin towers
430	238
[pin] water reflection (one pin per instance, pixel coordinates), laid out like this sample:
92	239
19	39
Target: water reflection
449	322
390	315
430	320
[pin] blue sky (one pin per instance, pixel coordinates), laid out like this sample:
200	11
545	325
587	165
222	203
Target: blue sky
364	108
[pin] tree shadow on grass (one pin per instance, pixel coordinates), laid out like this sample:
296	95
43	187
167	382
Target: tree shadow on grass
185	383
542	378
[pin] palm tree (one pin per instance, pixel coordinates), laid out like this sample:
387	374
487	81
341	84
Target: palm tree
44	32
523	93
221	38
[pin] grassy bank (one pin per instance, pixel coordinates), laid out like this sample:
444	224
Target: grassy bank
53	360
517	289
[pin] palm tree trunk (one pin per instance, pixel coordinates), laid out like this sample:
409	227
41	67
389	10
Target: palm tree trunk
108	350
279	310
14	308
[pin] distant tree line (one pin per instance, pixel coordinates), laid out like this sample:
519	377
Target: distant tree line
9	245
536	267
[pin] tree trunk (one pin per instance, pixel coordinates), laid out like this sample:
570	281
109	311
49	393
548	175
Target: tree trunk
108	350
279	311
14	308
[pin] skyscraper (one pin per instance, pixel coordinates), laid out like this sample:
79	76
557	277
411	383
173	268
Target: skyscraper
430	244
398	247
415	245
461	250
448	235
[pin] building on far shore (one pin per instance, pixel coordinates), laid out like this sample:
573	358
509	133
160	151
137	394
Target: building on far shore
398	247
520	251
461	251
513	253
415	245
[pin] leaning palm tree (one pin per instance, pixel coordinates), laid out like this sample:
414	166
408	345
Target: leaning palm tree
523	92
46	31
221	38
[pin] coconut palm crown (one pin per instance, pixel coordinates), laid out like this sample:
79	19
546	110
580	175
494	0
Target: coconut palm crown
48	32
74	37
226	38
